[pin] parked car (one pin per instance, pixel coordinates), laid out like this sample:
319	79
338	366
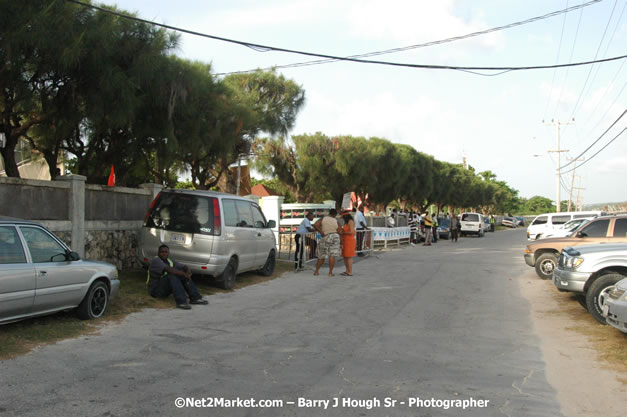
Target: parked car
509	222
591	270
39	275
543	254
444	228
215	234
615	307
547	222
567	228
520	221
472	224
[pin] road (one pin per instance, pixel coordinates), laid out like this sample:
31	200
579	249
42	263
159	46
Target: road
444	324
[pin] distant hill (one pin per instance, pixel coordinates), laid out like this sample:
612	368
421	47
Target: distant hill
610	207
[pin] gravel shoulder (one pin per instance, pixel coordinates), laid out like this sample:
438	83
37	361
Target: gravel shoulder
586	384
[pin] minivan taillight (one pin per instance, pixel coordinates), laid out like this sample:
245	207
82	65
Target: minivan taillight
217	222
152	205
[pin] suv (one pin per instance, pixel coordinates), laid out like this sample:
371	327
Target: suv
472	223
543	254
40	275
213	233
591	270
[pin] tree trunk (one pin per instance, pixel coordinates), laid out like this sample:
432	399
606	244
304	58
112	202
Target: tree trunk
8	156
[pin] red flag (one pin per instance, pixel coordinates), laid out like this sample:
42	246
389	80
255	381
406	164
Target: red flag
111	182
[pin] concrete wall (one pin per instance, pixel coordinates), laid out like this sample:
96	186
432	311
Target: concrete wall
98	222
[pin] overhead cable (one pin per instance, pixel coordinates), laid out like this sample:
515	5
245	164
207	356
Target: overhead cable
599	151
265	48
432	43
595	142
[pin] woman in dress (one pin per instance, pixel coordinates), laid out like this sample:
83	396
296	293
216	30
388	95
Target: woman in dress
348	244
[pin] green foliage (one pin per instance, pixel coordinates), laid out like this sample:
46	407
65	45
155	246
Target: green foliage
537	205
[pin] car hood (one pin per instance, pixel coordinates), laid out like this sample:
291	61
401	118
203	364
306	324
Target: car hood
603	248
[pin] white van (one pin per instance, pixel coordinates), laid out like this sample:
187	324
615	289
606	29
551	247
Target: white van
213	233
548	222
472	223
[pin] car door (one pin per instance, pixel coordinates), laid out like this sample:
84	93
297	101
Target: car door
239	236
594	232
59	282
17	276
619	234
265	236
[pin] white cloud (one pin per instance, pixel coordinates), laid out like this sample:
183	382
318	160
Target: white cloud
409	22
616	165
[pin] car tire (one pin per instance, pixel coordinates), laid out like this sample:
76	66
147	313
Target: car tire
268	268
597	292
227	279
545	265
95	302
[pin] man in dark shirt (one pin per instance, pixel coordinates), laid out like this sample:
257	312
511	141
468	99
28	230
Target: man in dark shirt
167	276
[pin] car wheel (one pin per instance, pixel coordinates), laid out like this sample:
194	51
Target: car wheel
95	302
227	279
597	293
268	267
545	265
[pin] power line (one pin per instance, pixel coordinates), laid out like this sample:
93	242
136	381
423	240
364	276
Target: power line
599	151
432	43
265	48
600	137
595	56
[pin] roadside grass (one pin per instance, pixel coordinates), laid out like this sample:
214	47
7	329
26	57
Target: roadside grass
24	336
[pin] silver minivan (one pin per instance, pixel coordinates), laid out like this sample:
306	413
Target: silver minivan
213	233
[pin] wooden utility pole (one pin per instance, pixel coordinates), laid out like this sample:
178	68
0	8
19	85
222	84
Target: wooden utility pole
572	180
558	203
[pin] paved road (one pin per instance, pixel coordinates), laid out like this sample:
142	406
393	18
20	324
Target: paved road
442	324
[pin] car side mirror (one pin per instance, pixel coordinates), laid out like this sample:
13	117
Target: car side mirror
73	256
581	234
271	224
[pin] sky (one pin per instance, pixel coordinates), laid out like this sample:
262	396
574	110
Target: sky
506	123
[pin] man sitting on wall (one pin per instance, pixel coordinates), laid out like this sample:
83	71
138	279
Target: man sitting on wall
167	276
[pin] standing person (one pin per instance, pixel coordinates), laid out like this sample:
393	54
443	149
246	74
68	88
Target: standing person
329	247
428	226
302	241
167	276
360	227
348	244
411	222
492	221
435	227
453	227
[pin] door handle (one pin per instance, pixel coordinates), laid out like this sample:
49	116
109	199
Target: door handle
259	234
42	273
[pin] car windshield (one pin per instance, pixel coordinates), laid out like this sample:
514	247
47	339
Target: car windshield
444	222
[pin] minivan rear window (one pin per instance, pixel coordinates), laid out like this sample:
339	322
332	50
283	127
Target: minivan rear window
183	213
469	217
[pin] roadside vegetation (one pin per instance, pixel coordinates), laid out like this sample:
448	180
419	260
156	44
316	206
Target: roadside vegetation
23	336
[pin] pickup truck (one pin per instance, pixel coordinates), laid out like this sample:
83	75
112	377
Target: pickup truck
543	254
591	270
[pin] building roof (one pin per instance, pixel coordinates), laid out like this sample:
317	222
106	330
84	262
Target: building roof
262	191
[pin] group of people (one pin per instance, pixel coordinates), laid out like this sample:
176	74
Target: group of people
427	224
335	240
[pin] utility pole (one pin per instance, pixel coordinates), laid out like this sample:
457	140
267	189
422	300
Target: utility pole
558	203
579	197
572	180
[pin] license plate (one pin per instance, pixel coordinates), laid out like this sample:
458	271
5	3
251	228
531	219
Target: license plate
177	238
605	310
